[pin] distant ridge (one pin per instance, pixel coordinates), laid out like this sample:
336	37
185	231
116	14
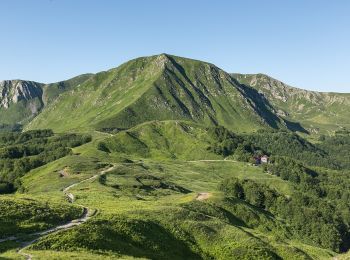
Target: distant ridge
317	111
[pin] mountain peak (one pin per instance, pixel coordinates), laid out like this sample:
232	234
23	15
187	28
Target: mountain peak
162	59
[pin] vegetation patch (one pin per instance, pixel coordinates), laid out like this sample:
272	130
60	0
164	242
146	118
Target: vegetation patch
136	180
25	215
22	152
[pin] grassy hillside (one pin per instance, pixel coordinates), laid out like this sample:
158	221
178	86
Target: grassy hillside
166	87
103	95
23	215
140	209
157	159
22	152
159	87
155	208
316	111
147	200
163	140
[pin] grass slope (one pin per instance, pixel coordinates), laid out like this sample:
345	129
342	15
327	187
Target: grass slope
316	111
147	207
159	87
139	221
163	140
23	215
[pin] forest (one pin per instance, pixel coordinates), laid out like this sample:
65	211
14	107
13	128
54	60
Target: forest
22	152
310	218
318	212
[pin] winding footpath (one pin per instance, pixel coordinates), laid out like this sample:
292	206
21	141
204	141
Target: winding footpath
87	213
218	160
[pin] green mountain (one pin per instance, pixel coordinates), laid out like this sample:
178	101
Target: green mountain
165	87
160	158
161	87
165	140
316	111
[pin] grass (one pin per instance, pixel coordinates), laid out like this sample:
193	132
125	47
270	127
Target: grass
320	113
81	255
147	207
63	172
24	215
234	228
163	140
161	87
177	214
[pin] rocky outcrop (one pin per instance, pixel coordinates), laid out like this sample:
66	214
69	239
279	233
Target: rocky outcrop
314	110
13	91
279	91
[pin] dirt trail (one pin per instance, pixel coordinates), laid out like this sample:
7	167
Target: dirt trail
87	213
223	160
104	133
203	196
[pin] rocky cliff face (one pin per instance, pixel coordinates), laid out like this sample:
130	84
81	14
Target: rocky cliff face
21	101
13	91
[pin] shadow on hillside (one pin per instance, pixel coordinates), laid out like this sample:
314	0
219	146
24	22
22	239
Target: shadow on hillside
127	236
295	127
264	109
6	246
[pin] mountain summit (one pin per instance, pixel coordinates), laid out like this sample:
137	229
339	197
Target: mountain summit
161	87
165	87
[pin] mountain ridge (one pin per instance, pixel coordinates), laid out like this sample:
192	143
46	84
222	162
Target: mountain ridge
163	87
317	110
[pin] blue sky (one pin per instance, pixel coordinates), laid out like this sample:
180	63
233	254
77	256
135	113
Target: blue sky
303	43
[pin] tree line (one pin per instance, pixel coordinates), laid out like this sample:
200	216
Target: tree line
22	152
309	218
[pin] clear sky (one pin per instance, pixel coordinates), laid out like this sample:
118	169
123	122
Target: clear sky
305	43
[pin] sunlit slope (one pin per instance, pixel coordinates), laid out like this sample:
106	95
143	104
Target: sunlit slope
142	205
316	111
159	87
103	95
163	140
